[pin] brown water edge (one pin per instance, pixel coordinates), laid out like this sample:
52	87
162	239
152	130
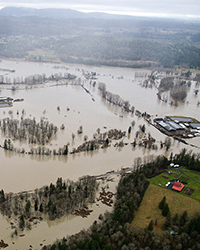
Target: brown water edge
47	231
24	172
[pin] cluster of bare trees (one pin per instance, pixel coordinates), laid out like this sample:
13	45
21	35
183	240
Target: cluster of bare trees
36	79
46	151
146	141
28	129
54	200
91	145
115	99
178	93
99	140
178	88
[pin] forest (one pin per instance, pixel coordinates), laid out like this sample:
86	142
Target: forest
112	40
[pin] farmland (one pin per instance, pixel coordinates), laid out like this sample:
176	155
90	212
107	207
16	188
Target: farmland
149	207
190	179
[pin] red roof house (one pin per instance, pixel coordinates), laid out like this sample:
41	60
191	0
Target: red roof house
178	186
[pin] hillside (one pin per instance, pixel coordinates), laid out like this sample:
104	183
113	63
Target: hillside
98	38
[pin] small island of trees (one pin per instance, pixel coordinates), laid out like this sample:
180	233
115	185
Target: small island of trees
54	201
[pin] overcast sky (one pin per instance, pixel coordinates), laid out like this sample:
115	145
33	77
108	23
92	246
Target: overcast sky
171	8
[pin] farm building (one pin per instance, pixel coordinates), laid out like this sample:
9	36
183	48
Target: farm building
178	186
166	126
184	127
181	119
175	125
195	125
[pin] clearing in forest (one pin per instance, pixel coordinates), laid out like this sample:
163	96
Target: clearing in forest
149	210
190	179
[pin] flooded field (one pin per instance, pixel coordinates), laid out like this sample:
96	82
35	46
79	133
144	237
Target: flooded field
78	108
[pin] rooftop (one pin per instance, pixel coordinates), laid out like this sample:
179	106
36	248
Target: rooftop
181	119
178	186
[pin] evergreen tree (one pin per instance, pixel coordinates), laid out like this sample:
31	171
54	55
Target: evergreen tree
36	204
92	146
9	144
162	203
5	144
28	206
168	222
65	150
150	226
21	221
59	183
41	208
165	210
143	128
183	218
2	196
175	219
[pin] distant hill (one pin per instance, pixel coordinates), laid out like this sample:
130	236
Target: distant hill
67	13
22	12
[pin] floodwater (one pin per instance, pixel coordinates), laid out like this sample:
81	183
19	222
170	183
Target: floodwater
25	172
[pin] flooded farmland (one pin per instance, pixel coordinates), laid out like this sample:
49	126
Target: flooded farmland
77	108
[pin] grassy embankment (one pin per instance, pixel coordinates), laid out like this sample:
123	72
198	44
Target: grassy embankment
178	202
42	54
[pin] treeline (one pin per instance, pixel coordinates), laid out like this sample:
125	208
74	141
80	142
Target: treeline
114	98
36	79
115	230
121	50
187	159
54	201
111	63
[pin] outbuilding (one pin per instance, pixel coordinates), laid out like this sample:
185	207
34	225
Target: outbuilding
178	186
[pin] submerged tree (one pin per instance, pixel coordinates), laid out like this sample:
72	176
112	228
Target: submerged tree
65	152
142	128
178	93
5	144
168	143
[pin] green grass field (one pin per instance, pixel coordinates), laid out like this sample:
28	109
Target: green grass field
42	53
189	178
149	210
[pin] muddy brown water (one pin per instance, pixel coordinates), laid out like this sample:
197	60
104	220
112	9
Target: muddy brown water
25	172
